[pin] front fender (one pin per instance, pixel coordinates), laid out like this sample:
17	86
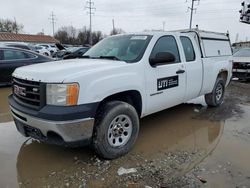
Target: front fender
96	87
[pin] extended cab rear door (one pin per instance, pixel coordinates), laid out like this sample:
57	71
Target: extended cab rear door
165	83
193	65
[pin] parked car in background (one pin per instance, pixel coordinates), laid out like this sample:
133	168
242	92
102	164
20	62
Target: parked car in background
241	64
51	47
70	53
76	52
62	50
11	58
20	45
39	49
42	50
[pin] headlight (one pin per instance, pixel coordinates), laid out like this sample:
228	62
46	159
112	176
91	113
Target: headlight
62	94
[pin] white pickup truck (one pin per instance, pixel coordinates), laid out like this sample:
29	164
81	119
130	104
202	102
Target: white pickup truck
99	99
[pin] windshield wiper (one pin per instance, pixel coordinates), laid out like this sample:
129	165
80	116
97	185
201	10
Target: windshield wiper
110	57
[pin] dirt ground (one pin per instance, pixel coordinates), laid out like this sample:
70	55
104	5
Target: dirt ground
186	146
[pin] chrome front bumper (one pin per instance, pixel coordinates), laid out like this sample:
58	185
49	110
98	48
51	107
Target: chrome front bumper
70	131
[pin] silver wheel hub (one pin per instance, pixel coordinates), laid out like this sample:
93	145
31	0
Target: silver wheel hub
120	131
219	92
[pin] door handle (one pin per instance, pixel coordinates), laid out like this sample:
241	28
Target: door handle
180	71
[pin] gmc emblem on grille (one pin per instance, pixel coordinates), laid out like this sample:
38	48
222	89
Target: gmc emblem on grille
19	90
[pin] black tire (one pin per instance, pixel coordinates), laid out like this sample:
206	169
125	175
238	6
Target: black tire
103	123
212	99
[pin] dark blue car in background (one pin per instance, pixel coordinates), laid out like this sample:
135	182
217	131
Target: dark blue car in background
12	58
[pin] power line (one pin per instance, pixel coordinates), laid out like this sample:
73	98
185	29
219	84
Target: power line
192	11
52	18
90	6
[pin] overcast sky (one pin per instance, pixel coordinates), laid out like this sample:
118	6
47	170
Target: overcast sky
130	15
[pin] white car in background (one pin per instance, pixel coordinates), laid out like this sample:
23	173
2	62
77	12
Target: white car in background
42	50
51	47
35	48
241	64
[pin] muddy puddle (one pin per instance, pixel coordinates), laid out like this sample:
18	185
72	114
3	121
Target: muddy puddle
229	166
4	108
170	144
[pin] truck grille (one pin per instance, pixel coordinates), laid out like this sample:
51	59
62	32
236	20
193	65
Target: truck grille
29	93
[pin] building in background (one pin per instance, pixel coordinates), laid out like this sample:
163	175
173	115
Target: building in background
34	39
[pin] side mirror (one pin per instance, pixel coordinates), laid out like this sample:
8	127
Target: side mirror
162	58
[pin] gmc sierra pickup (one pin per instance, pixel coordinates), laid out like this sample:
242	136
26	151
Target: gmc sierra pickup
100	98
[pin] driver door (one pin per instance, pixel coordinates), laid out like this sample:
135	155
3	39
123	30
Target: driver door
166	82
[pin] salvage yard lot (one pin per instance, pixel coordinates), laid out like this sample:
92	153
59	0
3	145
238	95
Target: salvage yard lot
179	147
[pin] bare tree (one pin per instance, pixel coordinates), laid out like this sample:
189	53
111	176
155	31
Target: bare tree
10	26
62	36
116	31
70	35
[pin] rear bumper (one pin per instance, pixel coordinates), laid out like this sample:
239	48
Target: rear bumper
71	131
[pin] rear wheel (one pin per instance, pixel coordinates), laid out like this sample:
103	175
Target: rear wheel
116	129
215	98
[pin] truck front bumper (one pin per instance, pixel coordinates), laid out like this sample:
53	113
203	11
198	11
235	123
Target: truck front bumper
72	132
241	73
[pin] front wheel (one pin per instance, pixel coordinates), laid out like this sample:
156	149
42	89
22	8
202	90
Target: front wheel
215	98
116	129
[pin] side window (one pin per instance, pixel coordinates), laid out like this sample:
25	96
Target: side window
1	54
166	44
83	50
16	55
188	49
29	56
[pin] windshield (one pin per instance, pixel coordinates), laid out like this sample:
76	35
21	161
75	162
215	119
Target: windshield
38	47
129	48
243	53
73	49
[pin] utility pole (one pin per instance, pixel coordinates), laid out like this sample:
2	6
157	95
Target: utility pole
52	18
237	37
163	25
192	11
113	24
16	27
90	6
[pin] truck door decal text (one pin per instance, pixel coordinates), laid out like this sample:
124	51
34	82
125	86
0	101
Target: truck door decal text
168	82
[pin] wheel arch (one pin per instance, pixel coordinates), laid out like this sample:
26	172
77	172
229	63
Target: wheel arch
224	75
132	97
